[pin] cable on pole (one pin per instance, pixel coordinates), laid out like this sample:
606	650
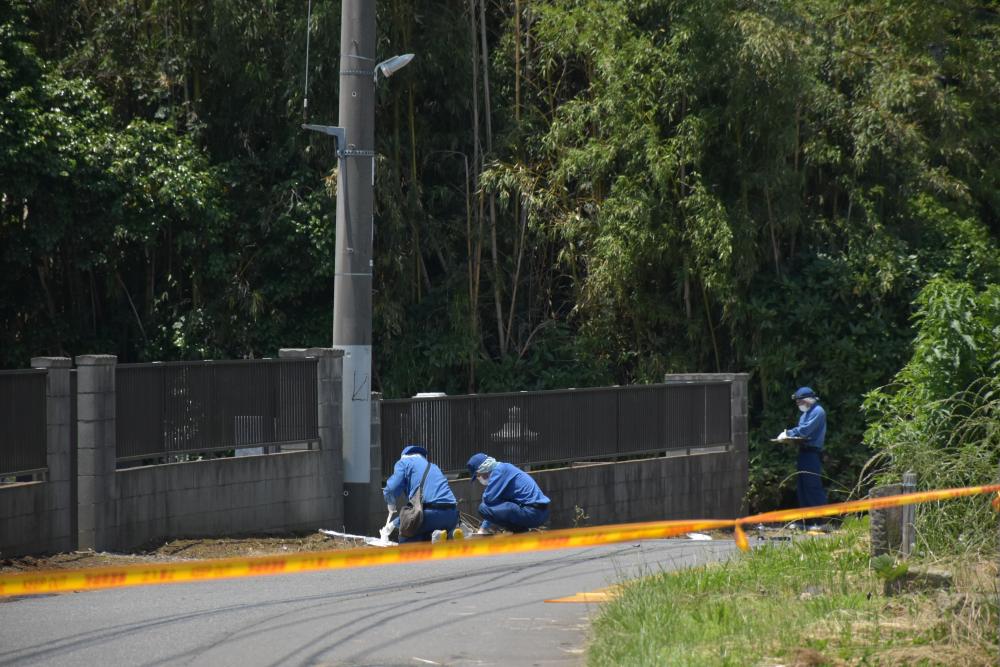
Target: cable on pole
305	92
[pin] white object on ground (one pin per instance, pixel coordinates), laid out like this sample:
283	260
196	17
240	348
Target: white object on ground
699	536
370	541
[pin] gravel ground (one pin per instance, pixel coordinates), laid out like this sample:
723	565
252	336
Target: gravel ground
178	550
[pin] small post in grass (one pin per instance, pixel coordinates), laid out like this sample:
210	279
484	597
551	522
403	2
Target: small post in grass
909	512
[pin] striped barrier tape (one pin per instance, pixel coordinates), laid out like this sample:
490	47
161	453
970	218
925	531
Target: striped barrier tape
60	581
855	506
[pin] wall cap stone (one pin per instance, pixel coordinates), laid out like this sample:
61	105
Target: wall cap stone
303	352
51	362
96	360
701	377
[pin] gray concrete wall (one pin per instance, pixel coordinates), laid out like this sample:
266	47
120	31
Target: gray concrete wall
284	492
37	517
697	486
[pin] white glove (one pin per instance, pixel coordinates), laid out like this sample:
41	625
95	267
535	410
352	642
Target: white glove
391	507
783	435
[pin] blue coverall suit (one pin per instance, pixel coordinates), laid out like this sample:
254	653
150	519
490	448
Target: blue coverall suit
440	507
512	500
812	427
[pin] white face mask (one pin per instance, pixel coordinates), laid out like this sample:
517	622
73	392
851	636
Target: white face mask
803	408
483	480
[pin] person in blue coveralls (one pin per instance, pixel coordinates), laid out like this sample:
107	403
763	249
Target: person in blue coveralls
440	507
812	431
511	500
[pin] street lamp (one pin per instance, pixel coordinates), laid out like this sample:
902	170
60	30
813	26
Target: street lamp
392	65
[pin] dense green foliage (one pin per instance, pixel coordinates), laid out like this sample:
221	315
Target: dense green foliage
569	192
940	417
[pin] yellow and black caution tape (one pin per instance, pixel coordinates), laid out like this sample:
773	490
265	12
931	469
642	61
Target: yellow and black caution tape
56	581
854	506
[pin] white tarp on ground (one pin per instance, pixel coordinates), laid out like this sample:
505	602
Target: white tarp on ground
370	541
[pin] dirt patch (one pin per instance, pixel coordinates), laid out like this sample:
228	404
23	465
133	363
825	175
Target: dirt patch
180	550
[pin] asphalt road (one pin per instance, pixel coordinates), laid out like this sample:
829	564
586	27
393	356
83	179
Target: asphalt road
476	611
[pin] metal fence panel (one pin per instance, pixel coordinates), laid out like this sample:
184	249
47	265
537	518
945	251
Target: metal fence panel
685	409
558	426
642	419
718	405
166	408
23	446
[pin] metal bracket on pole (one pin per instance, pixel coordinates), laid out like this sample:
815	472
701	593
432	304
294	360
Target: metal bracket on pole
338	133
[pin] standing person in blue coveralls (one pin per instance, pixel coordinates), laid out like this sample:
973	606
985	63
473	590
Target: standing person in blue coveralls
812	431
440	507
512	500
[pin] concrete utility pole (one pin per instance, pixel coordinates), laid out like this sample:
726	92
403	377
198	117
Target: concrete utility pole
352	283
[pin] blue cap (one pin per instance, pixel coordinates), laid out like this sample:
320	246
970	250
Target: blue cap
414	449
475	462
803	392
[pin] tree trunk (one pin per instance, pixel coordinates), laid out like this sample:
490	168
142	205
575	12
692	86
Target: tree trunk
473	181
770	225
711	329
487	117
517	268
517	60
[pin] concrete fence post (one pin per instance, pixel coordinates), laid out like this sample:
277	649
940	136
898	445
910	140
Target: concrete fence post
885	523
96	493
739	432
59	453
908	515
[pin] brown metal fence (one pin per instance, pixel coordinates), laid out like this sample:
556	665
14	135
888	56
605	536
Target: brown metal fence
204	406
558	426
23	448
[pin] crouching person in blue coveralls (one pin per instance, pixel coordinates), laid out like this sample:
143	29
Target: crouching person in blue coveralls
440	507
512	500
811	431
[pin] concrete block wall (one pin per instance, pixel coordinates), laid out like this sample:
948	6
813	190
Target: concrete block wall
284	492
37	517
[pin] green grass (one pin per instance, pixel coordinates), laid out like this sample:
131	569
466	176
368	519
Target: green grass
811	602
